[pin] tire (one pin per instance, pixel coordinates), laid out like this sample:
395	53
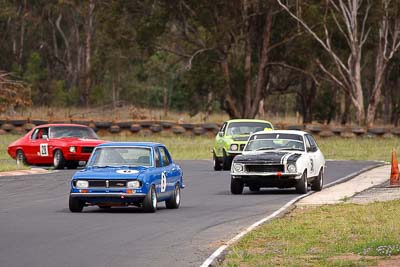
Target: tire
254	188
58	160
226	161
150	201
301	184
236	186
318	183
72	164
216	162
20	159
175	200
75	205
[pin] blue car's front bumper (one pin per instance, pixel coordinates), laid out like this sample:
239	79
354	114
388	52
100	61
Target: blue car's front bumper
108	195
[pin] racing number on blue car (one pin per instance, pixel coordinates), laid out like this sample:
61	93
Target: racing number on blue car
163	182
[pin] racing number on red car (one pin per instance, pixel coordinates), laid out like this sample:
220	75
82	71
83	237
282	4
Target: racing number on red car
44	150
163	182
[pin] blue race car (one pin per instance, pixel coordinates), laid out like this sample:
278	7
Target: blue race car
127	173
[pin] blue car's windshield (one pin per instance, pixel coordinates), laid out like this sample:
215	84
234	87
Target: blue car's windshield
120	156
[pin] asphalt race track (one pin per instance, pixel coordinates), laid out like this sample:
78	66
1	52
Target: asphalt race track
37	229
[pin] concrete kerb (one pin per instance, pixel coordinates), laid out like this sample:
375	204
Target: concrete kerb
32	171
354	174
219	254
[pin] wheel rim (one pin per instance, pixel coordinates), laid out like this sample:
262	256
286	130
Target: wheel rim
321	182
177	195
56	158
20	159
305	182
153	198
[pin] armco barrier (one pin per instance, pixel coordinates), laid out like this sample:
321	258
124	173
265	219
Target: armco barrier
171	128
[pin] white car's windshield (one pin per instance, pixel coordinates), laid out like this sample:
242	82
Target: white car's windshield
275	141
238	128
72	131
120	156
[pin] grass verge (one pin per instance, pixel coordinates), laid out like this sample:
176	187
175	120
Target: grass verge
336	235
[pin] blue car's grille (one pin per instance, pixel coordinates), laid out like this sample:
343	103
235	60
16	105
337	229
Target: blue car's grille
107	183
265	168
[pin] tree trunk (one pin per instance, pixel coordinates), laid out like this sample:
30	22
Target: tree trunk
165	99
261	75
22	36
332	107
357	90
246	109
228	103
345	115
88	52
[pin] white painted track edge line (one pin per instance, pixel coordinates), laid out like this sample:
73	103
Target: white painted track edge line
221	249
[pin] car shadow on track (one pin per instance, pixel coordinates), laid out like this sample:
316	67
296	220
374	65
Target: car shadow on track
96	210
263	192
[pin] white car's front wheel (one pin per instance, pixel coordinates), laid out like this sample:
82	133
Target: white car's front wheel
236	186
301	184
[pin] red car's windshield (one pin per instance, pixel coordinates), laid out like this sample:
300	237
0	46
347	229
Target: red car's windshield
72	131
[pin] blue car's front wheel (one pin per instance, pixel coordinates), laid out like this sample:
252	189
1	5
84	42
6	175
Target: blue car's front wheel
75	205
150	201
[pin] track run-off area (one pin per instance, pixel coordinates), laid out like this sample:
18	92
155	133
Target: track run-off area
37	228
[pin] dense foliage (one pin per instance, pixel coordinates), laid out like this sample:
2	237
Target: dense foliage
244	57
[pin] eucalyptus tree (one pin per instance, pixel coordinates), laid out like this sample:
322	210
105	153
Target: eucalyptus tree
351	19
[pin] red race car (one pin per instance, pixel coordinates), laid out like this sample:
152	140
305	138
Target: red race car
61	145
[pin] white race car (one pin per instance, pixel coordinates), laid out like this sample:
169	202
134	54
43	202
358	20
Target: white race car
281	158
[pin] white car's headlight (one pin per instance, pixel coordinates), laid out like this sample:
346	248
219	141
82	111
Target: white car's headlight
72	149
82	184
234	147
237	167
291	168
133	184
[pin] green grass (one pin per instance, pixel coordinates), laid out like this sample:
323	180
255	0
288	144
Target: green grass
322	236
359	148
180	147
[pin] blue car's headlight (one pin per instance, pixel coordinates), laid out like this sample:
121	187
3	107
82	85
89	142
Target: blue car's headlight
82	184
133	184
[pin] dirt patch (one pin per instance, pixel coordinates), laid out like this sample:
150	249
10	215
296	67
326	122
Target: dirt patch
393	261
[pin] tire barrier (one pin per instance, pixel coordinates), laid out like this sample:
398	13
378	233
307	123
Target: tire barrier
171	128
114	129
135	128
156	128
